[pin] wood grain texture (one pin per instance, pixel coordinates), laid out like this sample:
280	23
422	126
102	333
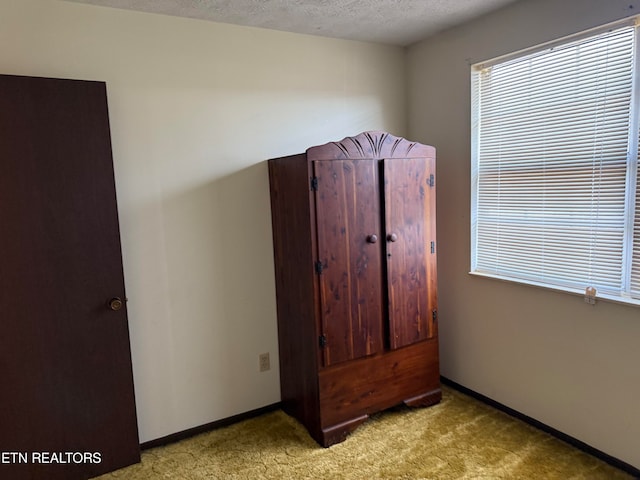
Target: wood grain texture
409	218
357	335
372	145
295	287
369	385
338	433
350	283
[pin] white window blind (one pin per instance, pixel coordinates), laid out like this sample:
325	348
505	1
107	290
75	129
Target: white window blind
635	266
555	164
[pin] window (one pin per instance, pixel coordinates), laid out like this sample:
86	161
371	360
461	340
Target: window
555	197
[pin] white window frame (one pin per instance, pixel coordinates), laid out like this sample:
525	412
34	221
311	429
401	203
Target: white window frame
632	188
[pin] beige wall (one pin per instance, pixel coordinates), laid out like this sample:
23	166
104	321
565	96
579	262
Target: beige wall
196	108
548	355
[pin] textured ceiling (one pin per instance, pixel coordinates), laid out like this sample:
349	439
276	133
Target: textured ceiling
393	22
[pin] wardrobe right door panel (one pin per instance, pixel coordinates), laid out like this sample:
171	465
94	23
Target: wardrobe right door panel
409	196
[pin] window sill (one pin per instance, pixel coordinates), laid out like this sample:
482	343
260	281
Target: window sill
573	291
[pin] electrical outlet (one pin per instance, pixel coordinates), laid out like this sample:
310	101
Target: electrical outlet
265	363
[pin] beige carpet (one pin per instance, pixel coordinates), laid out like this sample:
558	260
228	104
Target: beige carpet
458	439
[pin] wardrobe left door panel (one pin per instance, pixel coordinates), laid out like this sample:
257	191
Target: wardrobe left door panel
349	254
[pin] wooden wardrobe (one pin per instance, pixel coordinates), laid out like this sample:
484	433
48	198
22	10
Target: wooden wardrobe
354	236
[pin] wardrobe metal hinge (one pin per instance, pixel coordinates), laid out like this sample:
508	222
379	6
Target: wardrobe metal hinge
433	247
434	315
322	341
319	267
432	180
314	184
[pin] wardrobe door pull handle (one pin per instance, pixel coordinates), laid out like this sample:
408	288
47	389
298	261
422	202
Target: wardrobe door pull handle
372	238
392	237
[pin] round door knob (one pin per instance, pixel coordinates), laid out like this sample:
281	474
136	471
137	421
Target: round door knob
115	303
372	238
392	237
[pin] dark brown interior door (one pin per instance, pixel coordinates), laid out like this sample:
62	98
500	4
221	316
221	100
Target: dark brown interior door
349	249
409	193
67	407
